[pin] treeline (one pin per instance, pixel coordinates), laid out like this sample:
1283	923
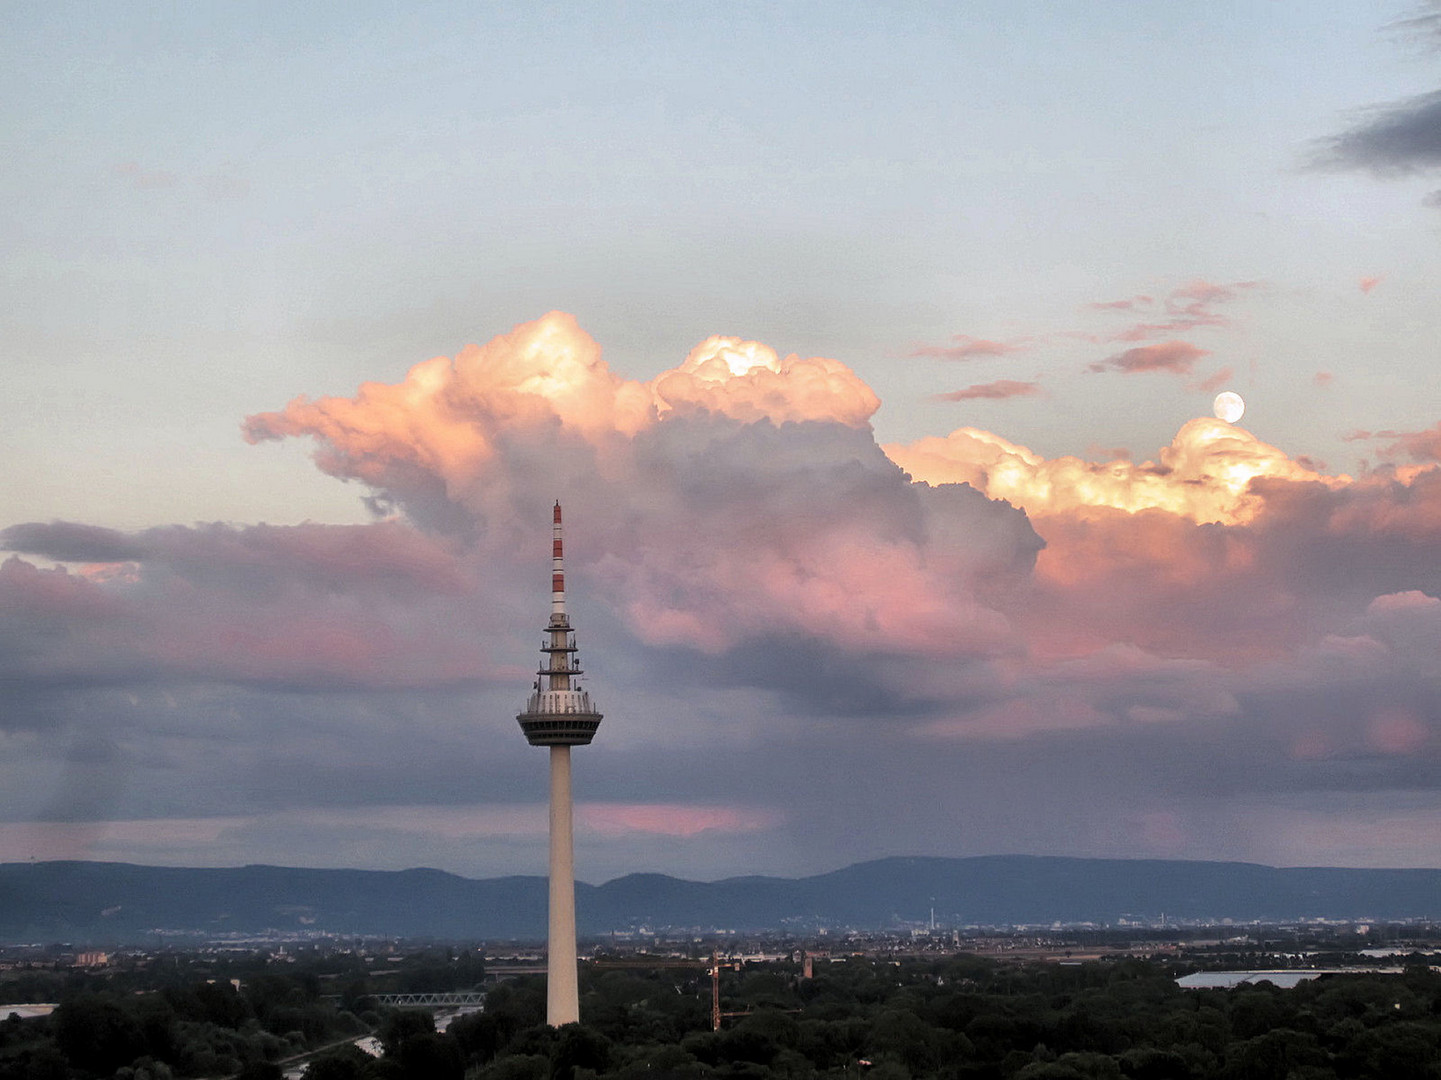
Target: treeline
969	1019
200	1029
959	1019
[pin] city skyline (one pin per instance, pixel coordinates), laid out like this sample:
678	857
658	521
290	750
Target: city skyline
871	351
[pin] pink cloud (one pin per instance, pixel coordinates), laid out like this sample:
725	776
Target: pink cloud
1423	445
672	819
307	605
1214	382
1188	307
734	516
968	348
1210	552
710	520
1397	730
1409	600
1123	305
1366	284
1002	388
1322	378
1176	357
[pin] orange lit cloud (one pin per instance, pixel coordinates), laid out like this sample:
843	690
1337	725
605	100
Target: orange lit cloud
446	416
993	391
1203	475
747	381
738	505
758	584
729	497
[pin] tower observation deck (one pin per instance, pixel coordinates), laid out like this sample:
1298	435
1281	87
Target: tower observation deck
559	714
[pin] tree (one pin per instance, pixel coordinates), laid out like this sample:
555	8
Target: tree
429	1056
97	1035
347	1063
578	1046
260	1070
403	1023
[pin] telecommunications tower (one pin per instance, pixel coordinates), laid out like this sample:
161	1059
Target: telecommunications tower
559	714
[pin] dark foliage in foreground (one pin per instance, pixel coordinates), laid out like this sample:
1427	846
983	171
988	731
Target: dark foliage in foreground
967	1019
170	1027
961	1018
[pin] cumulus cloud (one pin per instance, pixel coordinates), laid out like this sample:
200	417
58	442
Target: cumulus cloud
756	581
1204	475
737	494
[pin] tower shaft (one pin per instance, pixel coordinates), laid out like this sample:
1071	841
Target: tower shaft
562	992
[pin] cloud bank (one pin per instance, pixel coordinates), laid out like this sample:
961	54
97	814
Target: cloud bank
859	632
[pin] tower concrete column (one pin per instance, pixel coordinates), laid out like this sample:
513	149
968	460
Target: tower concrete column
562	994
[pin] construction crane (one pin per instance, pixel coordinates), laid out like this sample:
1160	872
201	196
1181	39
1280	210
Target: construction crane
712	967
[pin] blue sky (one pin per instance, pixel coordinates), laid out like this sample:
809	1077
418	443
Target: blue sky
212	210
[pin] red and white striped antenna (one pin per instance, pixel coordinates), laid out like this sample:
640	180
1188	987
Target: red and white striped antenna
557	572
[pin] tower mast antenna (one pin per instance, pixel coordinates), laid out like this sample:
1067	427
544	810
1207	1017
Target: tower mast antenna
560	715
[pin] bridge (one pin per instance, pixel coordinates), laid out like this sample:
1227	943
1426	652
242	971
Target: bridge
457	1000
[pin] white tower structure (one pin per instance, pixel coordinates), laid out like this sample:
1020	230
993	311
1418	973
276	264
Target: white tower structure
559	714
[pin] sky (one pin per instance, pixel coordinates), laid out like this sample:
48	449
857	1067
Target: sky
871	351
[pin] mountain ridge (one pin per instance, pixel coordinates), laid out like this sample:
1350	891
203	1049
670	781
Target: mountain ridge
92	902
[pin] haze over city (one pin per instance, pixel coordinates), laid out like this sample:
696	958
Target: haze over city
871	350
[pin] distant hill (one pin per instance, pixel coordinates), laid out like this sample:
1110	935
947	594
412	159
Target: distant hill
88	902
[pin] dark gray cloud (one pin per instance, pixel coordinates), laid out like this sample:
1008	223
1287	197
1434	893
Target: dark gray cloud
1423	25
1392	140
70	541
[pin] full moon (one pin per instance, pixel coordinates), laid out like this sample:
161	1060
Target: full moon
1228	406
